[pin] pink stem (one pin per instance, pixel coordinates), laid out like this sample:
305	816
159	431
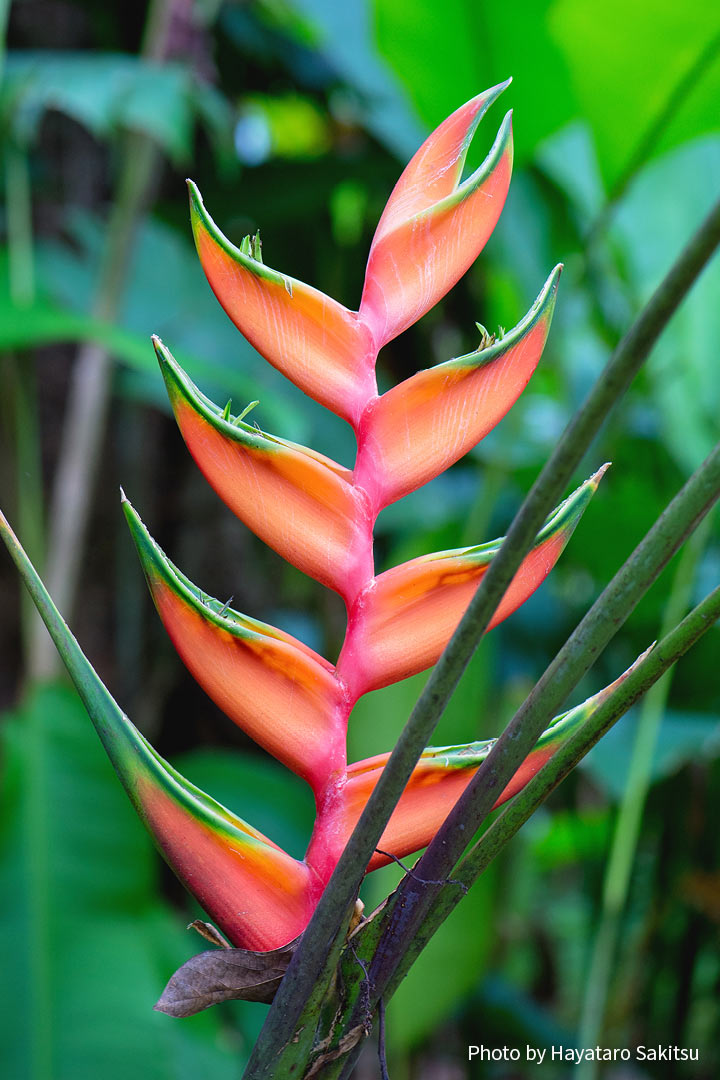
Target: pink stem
329	833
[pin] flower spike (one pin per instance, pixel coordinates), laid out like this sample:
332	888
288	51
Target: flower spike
424	425
319	516
313	340
259	896
443	773
405	618
297	501
279	691
420	251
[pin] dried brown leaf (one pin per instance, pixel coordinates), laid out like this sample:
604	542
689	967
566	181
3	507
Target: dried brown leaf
225	975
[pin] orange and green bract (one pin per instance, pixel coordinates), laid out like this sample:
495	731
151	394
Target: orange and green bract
320	516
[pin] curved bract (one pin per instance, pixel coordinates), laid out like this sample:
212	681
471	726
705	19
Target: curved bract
404	618
299	502
441	776
424	425
316	342
319	516
281	693
415	259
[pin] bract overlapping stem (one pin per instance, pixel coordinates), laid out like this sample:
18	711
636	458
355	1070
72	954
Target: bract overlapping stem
319	515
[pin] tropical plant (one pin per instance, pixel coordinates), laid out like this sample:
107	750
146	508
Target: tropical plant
320	516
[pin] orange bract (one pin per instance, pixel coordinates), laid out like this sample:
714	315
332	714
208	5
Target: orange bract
404	619
260	896
324	348
424	425
413	262
297	501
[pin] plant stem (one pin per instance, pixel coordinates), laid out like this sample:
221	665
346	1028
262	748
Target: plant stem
89	393
623	365
604	619
21	258
627	826
416	898
645	674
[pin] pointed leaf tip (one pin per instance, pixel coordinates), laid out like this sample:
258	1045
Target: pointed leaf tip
216	855
411	611
434	226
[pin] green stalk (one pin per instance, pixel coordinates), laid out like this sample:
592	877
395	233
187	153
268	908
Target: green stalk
417	903
627	827
606	616
22	407
21	258
34	807
644	675
89	393
625	362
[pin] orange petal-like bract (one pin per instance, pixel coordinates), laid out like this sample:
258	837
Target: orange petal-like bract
278	690
441	776
312	339
435	169
414	260
424	425
297	501
406	616
258	895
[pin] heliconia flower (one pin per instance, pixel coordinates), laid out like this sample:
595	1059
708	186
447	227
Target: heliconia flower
320	345
405	617
278	690
319	516
441	776
424	425
297	501
259	895
427	239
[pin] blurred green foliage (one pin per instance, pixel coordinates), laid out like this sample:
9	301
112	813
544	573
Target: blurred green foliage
296	117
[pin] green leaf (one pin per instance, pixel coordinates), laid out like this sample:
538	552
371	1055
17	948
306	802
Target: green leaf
665	204
344	34
641	66
110	92
86	944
